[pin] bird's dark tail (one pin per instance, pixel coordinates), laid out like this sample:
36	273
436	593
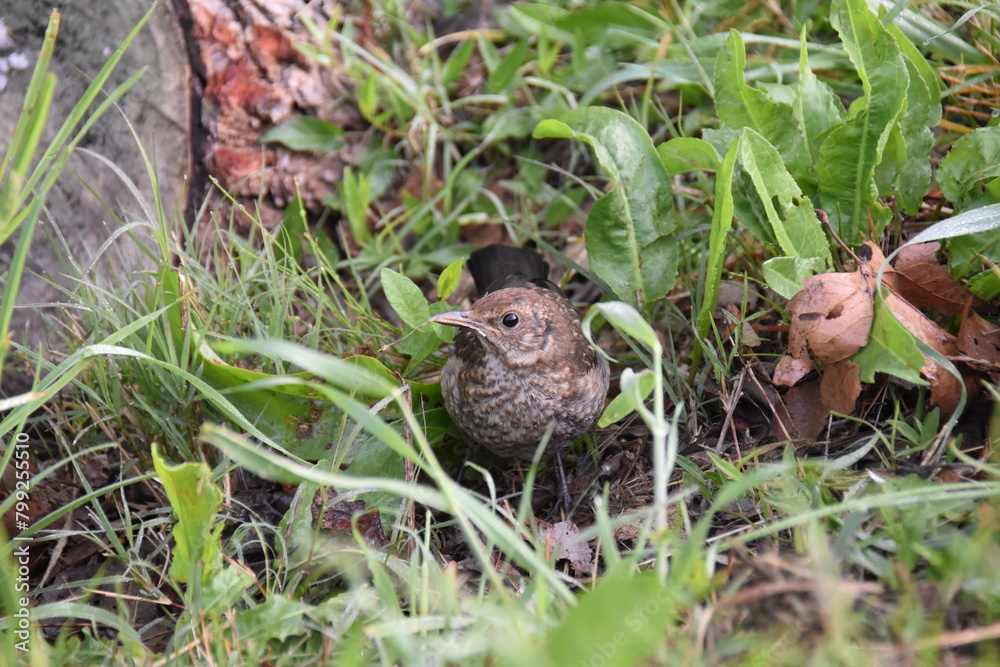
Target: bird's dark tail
498	266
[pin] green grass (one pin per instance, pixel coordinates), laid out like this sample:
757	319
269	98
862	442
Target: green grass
200	416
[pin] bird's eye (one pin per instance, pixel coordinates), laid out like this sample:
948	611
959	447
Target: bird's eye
509	320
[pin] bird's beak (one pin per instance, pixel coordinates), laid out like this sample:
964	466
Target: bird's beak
463	318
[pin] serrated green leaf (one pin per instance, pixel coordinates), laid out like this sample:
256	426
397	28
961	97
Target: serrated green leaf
224	589
817	107
796	227
851	151
923	111
741	106
195	500
277	618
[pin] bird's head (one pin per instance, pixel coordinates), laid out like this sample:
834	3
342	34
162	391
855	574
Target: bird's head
525	325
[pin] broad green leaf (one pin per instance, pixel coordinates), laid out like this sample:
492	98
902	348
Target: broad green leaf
277	618
224	590
620	622
985	285
627	229
851	151
683	154
639	386
786	275
741	106
796	227
431	389
418	344
283	407
195	500
747	208
448	280
627	319
890	349
306	133
907	154
405	298
369	456
412	307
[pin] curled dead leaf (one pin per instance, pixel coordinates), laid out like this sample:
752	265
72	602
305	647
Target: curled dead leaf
920	279
946	389
831	317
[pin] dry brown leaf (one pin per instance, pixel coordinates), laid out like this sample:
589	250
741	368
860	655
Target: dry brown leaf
789	371
841	386
873	258
831	317
562	539
945	388
339	518
979	338
800	416
922	281
731	294
979	343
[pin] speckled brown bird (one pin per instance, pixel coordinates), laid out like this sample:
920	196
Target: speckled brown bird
521	361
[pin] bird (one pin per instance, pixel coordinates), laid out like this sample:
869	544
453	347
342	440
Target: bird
521	365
